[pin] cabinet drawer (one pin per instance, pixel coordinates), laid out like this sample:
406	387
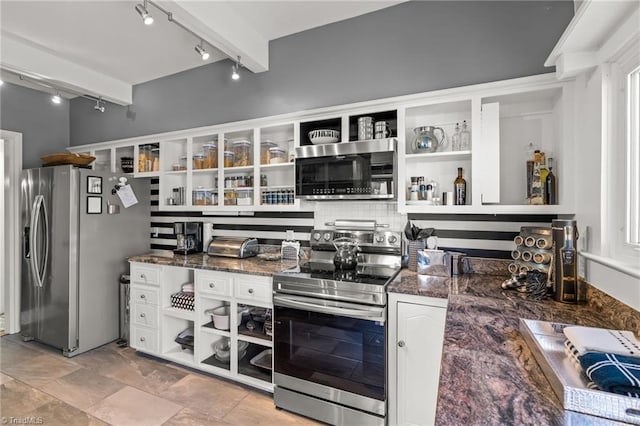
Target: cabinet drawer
214	284
145	274
146	315
144	338
254	289
144	295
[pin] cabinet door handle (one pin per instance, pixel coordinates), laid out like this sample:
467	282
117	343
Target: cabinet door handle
250	291
142	339
212	285
143	276
143	315
401	344
142	296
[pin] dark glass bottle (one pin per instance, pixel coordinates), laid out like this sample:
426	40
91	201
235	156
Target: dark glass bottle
460	187
551	186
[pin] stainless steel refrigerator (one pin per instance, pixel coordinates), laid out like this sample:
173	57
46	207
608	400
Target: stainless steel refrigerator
73	253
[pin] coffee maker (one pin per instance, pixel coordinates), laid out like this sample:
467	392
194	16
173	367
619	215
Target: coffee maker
568	287
188	236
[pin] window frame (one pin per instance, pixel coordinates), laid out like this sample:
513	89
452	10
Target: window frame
623	165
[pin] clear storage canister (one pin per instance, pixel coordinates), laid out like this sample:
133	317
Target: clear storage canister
277	156
230	198
228	158
200	196
198	160
265	146
242	153
211	155
244	198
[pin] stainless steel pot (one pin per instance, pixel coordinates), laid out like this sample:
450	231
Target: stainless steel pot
346	257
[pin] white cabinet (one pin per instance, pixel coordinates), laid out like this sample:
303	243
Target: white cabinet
155	324
416	333
144	309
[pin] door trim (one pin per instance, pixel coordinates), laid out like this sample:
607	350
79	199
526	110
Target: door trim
10	280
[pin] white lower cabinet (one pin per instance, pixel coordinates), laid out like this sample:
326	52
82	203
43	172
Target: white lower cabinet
416	333
155	324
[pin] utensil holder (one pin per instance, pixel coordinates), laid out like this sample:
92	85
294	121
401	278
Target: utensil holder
413	248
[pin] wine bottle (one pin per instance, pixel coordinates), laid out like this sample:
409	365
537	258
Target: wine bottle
551	186
460	187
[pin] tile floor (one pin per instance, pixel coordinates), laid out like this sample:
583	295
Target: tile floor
117	386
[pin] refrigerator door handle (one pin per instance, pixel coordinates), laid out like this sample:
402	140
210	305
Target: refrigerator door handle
38	269
33	228
46	242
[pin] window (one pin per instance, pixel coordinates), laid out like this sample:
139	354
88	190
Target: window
633	159
623	229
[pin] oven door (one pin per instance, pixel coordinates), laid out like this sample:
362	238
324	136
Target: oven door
331	350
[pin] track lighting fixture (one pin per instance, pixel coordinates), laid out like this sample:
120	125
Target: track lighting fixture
56	99
144	13
97	106
1	82
235	70
203	53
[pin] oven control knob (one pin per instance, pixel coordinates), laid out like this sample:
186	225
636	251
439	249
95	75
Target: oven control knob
380	238
327	236
316	236
393	239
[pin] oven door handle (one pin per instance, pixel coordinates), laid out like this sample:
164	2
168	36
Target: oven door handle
369	313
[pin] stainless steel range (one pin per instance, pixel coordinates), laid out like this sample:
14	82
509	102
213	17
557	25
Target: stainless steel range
329	326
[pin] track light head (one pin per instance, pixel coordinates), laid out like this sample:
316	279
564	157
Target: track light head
144	13
235	70
56	99
1	82
97	106
203	53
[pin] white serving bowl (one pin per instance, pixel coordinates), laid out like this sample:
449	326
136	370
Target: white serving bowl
321	136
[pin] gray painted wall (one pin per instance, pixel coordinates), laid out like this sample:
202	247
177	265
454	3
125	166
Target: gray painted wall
412	47
44	126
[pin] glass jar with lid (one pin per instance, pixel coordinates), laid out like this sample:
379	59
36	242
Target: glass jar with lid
144	152
230	197
228	158
198	160
153	163
277	155
211	155
242	153
200	196
265	146
244	197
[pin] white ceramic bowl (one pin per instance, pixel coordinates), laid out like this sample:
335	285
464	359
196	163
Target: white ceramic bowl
220	317
321	136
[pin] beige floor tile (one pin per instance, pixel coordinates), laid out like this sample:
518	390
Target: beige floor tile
41	369
17	399
82	388
126	366
57	413
189	417
213	397
5	379
12	353
258	409
132	407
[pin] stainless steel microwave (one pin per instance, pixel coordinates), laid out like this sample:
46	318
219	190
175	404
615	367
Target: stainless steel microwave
361	170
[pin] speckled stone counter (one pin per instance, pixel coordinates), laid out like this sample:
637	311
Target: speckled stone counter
250	265
489	376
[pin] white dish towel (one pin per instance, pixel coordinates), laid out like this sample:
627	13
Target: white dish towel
589	339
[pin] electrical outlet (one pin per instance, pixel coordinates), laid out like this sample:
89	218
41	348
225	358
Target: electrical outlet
290	236
155	232
583	246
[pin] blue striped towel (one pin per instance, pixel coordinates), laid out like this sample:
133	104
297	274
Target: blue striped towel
613	373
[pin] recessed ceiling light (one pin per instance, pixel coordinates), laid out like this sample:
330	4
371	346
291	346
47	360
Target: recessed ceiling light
144	13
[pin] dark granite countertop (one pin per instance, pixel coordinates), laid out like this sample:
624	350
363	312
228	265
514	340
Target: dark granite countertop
489	376
250	265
